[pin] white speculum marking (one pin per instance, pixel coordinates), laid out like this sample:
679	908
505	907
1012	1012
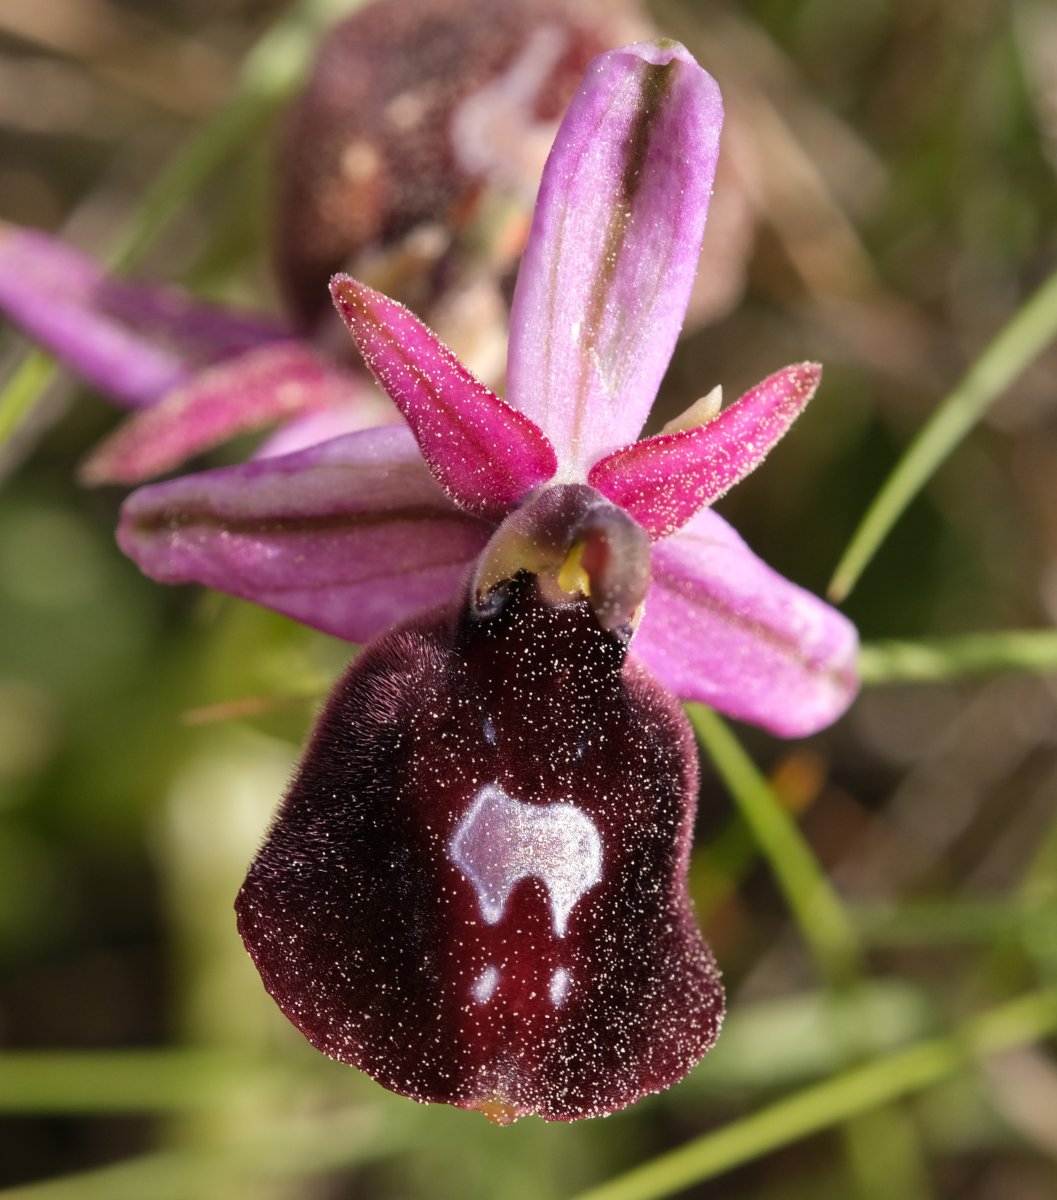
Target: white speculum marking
485	985
559	986
500	841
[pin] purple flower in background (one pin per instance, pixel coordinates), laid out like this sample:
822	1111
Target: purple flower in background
356	533
475	888
410	158
192	374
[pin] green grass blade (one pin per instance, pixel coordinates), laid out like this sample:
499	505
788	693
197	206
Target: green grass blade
293	1149
829	933
822	1106
942	922
816	907
934	660
129	1081
22	391
1022	339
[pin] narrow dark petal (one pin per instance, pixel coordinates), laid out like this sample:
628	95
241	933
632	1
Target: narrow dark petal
475	889
349	536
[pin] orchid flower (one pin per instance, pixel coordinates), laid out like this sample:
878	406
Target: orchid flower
412	154
475	888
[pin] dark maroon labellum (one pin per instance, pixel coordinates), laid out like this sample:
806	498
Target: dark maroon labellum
475	889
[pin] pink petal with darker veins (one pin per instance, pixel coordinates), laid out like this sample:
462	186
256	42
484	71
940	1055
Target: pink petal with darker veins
485	455
723	628
257	389
363	406
662	481
203	332
613	250
47	301
347	536
133	341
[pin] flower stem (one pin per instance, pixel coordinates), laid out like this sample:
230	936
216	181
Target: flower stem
23	389
1021	340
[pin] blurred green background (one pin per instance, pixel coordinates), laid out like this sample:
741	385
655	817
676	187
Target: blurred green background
896	205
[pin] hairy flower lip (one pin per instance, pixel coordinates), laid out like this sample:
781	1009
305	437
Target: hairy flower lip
518	912
491	825
475	888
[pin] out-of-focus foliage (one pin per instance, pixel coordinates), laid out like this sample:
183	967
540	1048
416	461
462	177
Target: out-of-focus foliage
896	203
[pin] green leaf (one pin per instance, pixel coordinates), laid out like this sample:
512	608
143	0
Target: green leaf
815	906
933	660
1023	338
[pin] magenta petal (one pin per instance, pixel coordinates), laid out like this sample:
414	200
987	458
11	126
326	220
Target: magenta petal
363	406
723	628
484	454
46	289
348	536
247	393
200	331
133	341
613	250
662	481
468	894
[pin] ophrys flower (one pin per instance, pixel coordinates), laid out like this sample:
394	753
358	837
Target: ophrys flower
475	889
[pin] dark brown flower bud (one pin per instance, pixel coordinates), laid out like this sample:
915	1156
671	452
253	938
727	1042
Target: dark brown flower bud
419	139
